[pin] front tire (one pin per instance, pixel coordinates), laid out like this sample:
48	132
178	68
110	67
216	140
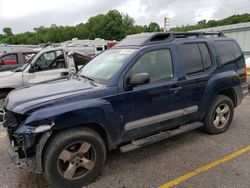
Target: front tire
3	95
220	115
74	158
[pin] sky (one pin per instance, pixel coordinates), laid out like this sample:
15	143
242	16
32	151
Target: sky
24	15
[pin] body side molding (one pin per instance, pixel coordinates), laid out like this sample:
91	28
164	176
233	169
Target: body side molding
159	118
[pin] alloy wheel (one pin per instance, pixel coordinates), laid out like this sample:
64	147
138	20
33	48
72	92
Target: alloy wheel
76	160
221	116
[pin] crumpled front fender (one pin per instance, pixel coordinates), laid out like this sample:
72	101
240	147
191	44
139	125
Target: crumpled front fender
66	115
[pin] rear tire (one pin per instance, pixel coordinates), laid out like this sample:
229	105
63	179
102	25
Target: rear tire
220	115
74	158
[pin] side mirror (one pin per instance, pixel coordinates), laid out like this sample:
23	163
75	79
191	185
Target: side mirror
18	69
139	79
32	69
2	62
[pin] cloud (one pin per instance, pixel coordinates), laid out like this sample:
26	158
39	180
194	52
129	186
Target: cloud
27	14
61	12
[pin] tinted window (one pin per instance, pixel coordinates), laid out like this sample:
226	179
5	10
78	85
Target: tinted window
158	64
227	51
191	58
205	55
9	59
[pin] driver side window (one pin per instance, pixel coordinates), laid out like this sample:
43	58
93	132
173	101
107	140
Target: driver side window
157	63
50	60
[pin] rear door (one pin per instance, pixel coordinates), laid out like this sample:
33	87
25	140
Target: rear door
197	69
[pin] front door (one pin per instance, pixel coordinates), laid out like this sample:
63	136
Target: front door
158	104
50	65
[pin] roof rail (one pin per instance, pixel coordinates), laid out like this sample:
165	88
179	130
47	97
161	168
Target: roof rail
197	34
143	39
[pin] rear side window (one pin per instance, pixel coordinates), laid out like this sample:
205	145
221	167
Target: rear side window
195	58
191	58
227	51
207	63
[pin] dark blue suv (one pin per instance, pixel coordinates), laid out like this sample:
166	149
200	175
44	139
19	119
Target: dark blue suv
147	88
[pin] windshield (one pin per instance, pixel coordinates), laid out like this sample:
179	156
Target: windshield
104	66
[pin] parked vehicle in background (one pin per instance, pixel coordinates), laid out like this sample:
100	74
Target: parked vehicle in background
248	70
147	88
48	64
8	48
89	47
13	59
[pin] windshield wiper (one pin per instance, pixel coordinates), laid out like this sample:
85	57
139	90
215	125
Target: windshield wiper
91	79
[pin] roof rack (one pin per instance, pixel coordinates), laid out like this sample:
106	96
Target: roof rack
143	39
197	34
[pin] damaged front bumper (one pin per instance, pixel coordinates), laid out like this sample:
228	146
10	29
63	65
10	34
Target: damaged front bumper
12	151
25	143
17	152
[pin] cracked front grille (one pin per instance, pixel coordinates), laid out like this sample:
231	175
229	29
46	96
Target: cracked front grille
12	121
9	119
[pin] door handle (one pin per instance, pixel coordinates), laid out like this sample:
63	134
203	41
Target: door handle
175	88
63	74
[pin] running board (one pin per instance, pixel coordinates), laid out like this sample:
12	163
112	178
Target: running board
136	144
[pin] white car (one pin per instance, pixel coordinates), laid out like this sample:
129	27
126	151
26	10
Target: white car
49	64
248	70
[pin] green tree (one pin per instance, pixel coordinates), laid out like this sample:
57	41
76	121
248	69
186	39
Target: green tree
234	19
138	29
111	26
153	27
7	31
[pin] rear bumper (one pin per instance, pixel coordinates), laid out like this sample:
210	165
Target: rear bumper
241	92
245	90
